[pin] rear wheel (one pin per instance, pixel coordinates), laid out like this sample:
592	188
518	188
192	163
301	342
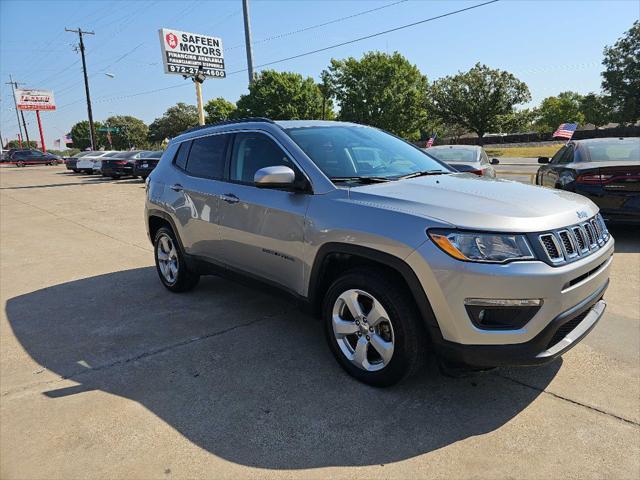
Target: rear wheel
373	328
170	263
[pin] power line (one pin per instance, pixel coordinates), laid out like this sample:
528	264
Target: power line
144	92
311	27
366	37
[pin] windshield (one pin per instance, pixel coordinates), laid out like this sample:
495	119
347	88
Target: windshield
614	151
124	155
351	151
154	154
453	154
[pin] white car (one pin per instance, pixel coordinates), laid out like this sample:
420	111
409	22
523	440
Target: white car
91	163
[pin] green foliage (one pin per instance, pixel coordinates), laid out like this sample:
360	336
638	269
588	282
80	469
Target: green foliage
219	110
81	138
131	132
175	120
281	96
478	99
561	109
381	90
621	78
518	121
69	152
16	144
596	109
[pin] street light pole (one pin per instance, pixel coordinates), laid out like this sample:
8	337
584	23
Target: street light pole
92	132
247	38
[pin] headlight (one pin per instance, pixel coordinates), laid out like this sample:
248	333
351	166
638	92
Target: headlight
483	247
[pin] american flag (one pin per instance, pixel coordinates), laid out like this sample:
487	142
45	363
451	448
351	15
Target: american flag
68	139
565	130
431	140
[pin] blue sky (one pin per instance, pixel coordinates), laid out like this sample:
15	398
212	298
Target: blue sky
552	45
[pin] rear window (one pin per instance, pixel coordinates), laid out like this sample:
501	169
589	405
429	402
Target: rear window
614	151
207	156
453	154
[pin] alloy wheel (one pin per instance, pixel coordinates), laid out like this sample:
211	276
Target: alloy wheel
363	330
167	259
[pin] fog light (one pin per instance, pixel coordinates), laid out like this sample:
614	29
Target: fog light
501	314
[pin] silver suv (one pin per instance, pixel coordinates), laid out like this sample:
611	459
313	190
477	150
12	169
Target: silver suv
398	254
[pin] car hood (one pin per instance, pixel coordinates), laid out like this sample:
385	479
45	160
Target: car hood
468	201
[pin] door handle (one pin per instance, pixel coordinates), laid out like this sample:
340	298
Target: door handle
230	198
176	187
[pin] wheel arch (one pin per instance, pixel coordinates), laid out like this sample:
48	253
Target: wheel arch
333	258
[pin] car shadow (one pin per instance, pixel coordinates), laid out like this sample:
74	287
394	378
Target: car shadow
247	376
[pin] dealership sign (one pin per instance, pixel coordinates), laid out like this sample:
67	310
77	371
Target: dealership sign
184	53
35	99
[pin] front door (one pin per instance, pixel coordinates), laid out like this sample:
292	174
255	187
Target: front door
262	229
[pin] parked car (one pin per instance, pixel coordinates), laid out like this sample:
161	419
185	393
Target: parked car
144	165
605	170
91	162
119	164
72	162
465	158
32	157
397	253
97	163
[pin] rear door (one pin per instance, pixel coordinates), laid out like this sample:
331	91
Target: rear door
262	229
197	193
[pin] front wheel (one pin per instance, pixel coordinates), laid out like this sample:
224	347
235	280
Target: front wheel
373	328
170	263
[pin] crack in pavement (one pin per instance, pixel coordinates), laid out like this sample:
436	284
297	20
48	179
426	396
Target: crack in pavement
140	356
566	399
53	214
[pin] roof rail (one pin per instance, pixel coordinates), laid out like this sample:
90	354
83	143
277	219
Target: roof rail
227	122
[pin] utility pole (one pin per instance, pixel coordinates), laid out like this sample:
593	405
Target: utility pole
19	113
247	39
92	132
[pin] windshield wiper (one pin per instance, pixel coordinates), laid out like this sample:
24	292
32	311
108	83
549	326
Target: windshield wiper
422	174
363	180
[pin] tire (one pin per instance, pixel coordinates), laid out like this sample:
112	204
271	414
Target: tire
20	164
183	279
403	331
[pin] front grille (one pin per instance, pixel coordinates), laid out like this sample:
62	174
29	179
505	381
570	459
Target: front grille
567	243
567	328
551	246
581	238
575	241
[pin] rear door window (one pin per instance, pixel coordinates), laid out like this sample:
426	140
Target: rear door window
207	157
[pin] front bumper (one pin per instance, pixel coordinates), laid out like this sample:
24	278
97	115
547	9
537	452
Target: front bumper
563	290
563	333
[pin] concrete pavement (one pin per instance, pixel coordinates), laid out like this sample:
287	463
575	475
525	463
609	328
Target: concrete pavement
104	374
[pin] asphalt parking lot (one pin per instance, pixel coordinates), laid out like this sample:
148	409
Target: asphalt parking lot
104	374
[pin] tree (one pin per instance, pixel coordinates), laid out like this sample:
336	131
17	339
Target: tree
561	109
130	132
16	144
477	99
175	120
518	121
596	109
81	138
281	96
621	78
381	90
219	110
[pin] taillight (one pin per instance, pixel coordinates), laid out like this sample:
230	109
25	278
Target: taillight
477	172
592	178
120	162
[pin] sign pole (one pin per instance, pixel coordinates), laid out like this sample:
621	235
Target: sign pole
44	148
200	106
20	140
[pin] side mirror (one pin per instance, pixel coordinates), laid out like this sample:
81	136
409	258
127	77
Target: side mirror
543	159
495	161
274	177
